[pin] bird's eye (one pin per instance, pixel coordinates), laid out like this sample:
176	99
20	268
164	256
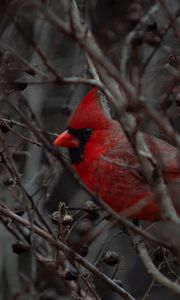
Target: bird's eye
87	132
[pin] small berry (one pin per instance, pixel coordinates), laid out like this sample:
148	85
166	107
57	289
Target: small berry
71	274
111	258
19	247
83	250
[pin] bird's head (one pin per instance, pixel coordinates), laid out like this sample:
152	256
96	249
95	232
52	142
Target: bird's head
92	114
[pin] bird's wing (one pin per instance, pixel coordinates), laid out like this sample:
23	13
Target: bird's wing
124	157
125	180
119	181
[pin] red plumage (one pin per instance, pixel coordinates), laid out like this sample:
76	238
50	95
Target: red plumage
108	164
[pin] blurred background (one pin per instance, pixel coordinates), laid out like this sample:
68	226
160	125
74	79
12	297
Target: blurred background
36	104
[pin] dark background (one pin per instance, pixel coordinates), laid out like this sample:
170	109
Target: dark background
25	36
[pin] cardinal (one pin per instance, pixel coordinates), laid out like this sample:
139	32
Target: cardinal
104	159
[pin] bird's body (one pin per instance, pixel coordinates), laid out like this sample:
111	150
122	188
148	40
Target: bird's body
105	161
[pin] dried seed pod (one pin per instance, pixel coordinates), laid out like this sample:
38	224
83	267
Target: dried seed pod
55	217
92	210
67	220
19	247
71	274
84	227
90	206
83	250
111	258
173	61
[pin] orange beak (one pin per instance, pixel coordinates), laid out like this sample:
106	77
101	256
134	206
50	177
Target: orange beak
67	140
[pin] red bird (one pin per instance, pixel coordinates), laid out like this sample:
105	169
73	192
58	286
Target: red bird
105	161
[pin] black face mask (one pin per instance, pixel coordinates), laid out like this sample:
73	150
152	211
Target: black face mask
76	154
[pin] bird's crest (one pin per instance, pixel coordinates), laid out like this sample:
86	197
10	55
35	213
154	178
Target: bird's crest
92	112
